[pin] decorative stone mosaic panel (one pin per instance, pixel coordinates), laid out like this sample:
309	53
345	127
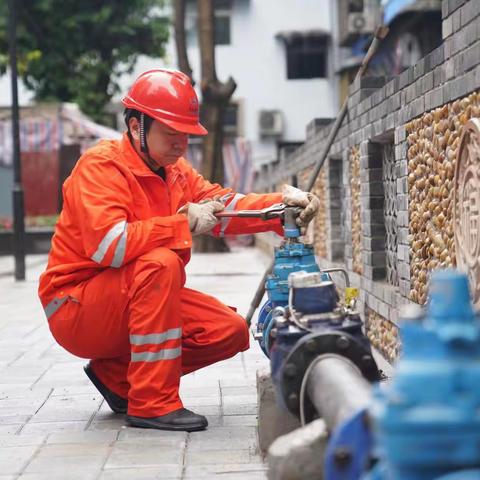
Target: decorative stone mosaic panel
383	334
356	210
433	142
320	222
390	212
467	206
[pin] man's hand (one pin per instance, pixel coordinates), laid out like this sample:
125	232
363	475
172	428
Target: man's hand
293	197
201	216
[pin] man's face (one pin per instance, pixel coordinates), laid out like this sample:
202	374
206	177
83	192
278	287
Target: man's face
165	145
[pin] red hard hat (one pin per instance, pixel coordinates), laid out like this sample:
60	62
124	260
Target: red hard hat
166	96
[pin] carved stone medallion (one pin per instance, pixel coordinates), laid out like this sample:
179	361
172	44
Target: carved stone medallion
467	206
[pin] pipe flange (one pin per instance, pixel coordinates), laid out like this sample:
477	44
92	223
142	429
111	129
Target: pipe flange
305	351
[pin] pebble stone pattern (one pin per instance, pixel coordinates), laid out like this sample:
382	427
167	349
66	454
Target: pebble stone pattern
320	222
383	334
356	210
433	142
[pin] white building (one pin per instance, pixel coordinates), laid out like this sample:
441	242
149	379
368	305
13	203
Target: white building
280	54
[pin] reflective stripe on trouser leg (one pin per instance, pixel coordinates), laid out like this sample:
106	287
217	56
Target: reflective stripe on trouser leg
156	340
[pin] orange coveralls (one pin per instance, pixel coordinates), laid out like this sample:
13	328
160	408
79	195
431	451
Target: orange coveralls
113	290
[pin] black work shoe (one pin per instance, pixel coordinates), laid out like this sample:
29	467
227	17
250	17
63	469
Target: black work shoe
180	420
117	403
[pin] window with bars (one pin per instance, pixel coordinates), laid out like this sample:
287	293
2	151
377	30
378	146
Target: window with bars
307	56
390	212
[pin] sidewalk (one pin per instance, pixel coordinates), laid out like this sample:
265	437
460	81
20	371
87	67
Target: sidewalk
54	424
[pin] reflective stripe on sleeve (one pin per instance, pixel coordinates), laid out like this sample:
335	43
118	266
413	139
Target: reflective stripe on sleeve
156	338
225	197
120	250
107	240
231	206
54	305
165	354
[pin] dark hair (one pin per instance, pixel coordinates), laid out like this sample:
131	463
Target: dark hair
128	113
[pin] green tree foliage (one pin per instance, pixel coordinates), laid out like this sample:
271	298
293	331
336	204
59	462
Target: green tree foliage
75	50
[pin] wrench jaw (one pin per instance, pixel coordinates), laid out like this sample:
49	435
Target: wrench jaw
288	216
274	211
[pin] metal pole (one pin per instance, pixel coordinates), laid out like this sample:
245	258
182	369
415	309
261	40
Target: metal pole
18	210
337	389
380	33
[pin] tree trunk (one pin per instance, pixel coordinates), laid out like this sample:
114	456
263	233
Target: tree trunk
181	38
215	97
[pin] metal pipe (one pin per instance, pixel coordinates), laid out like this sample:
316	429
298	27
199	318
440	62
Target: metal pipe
337	389
17	193
338	270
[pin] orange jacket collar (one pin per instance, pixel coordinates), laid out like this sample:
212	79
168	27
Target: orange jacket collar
135	163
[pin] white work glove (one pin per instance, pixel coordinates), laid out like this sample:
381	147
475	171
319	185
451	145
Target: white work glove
201	216
293	197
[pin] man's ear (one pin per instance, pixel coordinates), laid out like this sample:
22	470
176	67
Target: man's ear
134	126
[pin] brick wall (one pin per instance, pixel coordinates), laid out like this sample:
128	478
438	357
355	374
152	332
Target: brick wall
387	131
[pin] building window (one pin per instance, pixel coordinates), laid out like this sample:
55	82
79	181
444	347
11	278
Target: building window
307	57
223	12
231	119
222	22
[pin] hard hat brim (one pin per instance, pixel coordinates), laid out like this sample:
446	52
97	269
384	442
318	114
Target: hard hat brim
197	129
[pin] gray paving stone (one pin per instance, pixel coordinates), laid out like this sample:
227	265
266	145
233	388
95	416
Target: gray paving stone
21	440
71	408
244	409
188	392
167	472
114	423
10	429
221	469
150	436
83	473
238	399
209	410
214	457
125	455
56	459
53	427
201	401
250	390
74	390
90	437
200	445
14	459
240	420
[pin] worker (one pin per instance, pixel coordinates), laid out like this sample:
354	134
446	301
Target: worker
114	287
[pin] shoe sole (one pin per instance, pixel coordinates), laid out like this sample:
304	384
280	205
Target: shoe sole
147	423
99	386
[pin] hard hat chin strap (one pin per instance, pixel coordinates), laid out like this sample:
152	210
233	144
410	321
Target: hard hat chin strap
143	135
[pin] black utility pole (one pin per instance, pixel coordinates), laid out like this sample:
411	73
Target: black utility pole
18	220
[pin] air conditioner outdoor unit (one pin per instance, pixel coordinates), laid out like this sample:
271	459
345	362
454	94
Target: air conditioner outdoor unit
271	123
355	18
359	23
